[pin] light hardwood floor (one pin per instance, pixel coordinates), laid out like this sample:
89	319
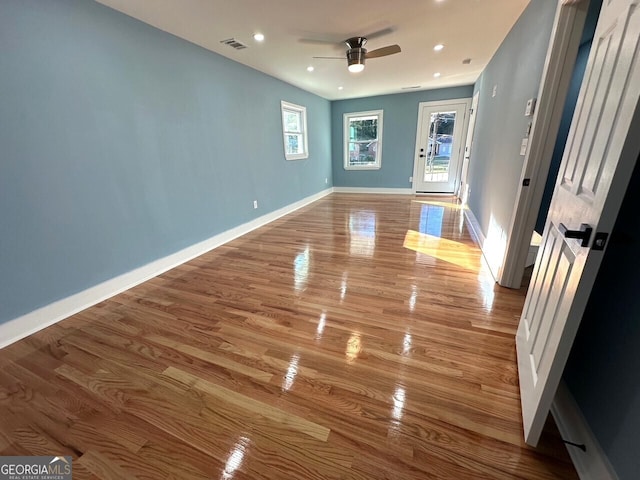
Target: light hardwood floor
358	338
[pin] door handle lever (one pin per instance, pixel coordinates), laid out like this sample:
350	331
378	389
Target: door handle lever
583	234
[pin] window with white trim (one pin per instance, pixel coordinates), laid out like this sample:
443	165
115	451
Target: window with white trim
363	140
294	128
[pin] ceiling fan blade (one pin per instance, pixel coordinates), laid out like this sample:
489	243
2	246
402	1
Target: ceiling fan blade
379	33
318	41
331	58
384	51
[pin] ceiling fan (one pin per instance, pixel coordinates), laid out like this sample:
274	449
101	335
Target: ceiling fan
357	54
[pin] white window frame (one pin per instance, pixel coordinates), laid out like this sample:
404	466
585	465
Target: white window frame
347	117
302	111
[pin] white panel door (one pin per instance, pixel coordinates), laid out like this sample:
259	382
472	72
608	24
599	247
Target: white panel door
599	157
439	142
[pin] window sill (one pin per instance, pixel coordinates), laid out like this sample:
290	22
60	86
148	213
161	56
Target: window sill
296	156
372	167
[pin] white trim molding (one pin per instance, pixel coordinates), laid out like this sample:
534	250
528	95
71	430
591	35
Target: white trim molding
387	191
593	463
478	236
32	322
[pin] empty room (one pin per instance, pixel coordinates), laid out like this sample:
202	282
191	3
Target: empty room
319	240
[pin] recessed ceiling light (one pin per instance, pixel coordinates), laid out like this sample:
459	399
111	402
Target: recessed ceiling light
438	47
340	87
436	75
310	68
258	37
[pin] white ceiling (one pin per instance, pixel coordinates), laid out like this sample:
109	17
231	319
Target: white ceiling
468	29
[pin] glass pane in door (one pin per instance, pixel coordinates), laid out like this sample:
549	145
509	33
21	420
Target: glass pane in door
439	145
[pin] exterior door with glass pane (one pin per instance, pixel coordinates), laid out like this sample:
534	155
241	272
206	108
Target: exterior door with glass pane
439	144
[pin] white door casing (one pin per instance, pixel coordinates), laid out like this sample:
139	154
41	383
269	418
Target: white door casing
599	158
450	184
463	189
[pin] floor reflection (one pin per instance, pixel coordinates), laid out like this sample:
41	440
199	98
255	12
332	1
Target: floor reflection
354	347
406	343
321	323
235	458
443	249
414	298
343	286
301	269
487	285
292	371
398	403
431	217
362	233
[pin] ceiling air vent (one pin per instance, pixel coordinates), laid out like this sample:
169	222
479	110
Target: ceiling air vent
232	42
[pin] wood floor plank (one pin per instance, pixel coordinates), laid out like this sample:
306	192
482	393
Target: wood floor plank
241	401
361	337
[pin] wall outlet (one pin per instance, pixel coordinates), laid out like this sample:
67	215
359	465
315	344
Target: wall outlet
495	90
255	204
410	179
326	180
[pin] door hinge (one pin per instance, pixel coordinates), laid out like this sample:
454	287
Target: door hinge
526	182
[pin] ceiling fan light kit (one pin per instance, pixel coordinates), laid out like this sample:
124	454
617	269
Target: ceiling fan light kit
355	59
357	54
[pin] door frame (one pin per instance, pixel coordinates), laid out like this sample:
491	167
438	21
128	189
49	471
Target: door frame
463	187
465	126
552	94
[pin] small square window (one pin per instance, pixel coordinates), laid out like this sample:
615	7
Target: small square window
294	128
363	140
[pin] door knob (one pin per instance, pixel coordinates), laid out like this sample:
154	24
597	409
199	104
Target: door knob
583	234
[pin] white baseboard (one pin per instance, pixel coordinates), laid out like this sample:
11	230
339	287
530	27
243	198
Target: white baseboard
30	323
474	227
478	236
388	191
592	464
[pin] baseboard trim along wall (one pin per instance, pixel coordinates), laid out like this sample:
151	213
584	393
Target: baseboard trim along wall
478	236
388	191
32	322
592	464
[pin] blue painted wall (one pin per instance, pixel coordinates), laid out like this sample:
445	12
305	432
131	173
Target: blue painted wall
121	144
602	371
567	113
399	136
496	163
